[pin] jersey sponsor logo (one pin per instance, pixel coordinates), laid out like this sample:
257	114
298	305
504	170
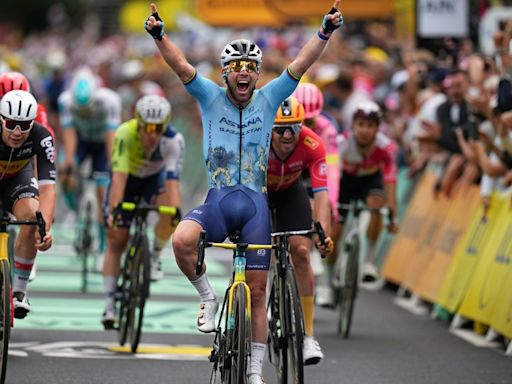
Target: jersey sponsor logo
231	123
53	174
47	144
13	167
24	152
322	169
311	143
296	164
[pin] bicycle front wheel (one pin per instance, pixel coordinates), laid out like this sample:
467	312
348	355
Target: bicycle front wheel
139	291
294	329
347	295
277	347
239	338
125	295
5	308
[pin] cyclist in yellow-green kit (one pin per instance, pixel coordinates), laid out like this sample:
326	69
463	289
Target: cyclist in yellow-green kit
146	163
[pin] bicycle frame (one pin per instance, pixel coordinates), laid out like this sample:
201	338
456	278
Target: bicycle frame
222	351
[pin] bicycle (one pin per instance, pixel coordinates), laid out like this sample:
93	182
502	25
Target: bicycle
6	303
346	275
134	288
286	325
87	208
232	344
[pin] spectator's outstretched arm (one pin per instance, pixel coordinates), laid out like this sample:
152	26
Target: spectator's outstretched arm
171	53
315	46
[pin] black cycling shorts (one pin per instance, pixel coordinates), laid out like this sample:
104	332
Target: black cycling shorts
357	188
291	208
23	185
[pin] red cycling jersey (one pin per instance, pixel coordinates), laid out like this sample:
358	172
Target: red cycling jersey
42	118
381	157
309	153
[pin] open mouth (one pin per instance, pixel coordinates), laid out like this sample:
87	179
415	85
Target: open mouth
242	85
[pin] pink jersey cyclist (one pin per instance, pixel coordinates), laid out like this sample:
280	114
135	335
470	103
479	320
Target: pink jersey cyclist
310	96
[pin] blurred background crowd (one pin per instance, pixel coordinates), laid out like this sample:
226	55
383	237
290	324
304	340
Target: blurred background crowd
444	86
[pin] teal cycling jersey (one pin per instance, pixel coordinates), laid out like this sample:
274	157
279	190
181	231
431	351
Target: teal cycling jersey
236	140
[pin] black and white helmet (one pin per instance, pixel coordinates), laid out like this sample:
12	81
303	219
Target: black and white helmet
19	106
153	109
240	49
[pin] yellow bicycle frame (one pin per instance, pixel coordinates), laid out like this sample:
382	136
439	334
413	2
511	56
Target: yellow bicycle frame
4	241
239	278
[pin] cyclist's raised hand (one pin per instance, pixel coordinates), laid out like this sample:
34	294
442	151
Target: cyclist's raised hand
333	20
154	25
46	242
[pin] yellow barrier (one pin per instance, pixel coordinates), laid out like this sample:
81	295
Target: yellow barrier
501	318
412	229
432	273
466	257
484	296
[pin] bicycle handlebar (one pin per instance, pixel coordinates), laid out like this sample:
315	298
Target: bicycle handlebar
202	244
39	221
130	207
304	232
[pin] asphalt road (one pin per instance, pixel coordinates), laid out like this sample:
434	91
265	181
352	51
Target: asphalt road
61	341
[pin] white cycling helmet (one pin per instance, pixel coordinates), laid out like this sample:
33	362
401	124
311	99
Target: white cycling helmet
83	87
241	49
368	110
153	109
18	106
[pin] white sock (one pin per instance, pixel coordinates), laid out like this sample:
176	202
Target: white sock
257	356
204	288
22	269
110	287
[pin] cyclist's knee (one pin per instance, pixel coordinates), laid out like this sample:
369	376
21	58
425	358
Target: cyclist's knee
300	255
25	209
257	281
185	238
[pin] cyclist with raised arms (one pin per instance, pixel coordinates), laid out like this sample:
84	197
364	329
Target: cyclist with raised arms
295	149
21	193
146	165
89	115
237	124
369	174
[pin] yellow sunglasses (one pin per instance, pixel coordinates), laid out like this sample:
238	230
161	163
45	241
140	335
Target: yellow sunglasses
240	65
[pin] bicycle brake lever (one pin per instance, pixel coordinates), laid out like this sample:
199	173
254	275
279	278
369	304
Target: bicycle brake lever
200	252
41	225
320	232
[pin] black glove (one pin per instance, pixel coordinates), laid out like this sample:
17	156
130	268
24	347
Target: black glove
327	25
157	31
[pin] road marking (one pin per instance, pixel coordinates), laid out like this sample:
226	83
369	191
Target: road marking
102	350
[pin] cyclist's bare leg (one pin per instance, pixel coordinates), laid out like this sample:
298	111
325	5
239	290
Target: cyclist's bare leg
300	250
24	248
117	238
257	281
374	201
184	244
164	227
100	193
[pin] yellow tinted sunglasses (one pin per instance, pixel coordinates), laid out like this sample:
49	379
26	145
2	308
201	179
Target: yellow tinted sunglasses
150	128
240	65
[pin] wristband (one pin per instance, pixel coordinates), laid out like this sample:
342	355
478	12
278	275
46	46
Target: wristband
158	31
322	36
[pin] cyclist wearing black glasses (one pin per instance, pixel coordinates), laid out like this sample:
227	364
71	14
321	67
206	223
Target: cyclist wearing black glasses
237	124
294	149
146	164
21	193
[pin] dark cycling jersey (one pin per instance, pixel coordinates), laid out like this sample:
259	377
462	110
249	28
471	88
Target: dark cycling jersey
40	143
